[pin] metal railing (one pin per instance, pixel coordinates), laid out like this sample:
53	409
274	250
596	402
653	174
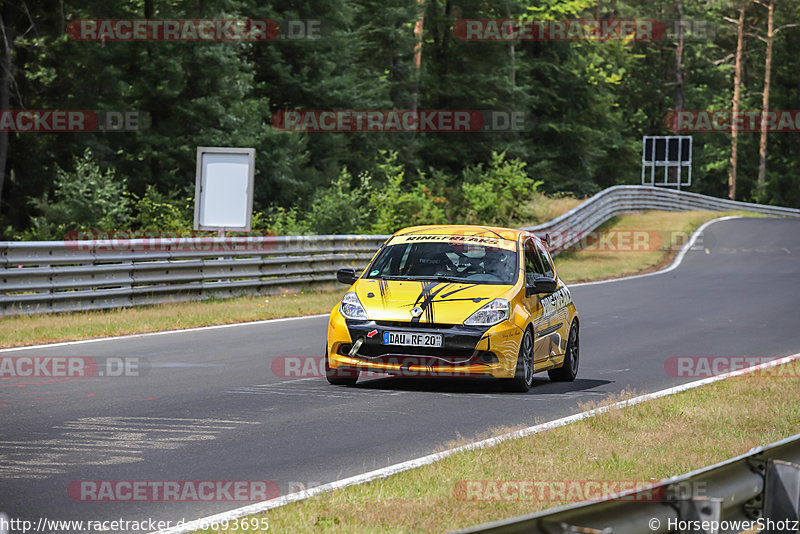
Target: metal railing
762	486
621	199
54	276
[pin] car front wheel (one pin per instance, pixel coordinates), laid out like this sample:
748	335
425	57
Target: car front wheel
523	377
341	376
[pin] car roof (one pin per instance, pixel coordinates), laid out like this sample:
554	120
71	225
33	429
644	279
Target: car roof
510	234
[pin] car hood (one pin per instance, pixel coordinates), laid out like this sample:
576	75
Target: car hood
441	302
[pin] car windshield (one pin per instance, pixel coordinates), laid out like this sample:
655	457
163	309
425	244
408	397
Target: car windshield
447	262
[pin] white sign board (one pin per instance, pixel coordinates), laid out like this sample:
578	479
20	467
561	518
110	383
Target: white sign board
224	188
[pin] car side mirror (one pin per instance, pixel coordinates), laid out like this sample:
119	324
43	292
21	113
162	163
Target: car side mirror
543	284
346	276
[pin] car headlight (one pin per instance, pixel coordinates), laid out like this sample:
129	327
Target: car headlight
351	307
496	311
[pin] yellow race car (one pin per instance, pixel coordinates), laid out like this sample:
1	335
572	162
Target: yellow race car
450	301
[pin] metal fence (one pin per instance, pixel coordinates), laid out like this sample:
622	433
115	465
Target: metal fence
622	199
762	486
54	276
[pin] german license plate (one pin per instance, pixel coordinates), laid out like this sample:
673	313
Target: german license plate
412	339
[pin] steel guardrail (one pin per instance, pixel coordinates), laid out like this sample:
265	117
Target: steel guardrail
56	276
761	485
572	226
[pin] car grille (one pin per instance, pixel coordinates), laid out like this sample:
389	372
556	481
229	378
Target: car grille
374	350
407	325
419	356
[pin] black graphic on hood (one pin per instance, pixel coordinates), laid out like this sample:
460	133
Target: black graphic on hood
383	286
427	296
457	290
489	230
424	300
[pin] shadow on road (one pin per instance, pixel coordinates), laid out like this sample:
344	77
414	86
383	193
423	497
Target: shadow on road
477	385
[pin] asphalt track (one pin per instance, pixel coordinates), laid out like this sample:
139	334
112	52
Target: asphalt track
210	407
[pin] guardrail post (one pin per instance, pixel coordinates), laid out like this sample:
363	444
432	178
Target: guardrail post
566	528
781	491
699	511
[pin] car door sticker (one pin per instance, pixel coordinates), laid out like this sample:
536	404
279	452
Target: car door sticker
555	301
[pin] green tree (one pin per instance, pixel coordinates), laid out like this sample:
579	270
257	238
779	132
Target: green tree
87	198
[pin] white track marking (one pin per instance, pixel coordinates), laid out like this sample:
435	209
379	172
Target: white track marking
675	263
106	441
261	507
164	332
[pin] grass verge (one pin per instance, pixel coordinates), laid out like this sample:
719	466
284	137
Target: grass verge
581	265
649	441
49	328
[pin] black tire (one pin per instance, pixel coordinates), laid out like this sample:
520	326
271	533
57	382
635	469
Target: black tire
523	377
342	376
569	369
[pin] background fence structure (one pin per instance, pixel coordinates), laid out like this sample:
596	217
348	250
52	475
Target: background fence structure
622	199
56	276
763	484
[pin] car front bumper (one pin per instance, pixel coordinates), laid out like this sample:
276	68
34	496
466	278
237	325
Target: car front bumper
465	351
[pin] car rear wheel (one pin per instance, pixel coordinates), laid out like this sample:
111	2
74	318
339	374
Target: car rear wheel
523	377
569	370
341	376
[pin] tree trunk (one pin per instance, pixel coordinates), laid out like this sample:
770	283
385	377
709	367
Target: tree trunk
762	145
418	27
5	89
679	60
679	97
737	82
512	55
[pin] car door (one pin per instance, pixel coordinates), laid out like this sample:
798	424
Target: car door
533	270
554	308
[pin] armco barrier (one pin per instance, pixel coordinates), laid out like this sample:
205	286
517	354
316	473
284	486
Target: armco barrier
761	487
62	276
53	276
622	199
